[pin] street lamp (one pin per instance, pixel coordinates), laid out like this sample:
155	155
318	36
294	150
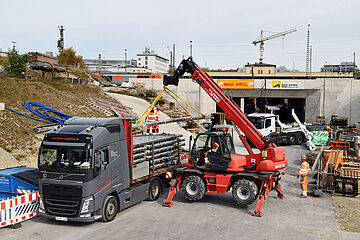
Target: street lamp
190	48
14	43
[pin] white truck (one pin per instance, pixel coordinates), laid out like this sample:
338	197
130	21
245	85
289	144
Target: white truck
270	126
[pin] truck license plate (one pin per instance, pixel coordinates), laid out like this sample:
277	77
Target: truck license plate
61	218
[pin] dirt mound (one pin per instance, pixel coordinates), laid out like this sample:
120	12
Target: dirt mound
7	160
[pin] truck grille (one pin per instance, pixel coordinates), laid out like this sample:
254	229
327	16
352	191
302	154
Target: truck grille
62	207
62	200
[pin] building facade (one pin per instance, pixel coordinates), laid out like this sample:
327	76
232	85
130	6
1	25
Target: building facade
109	65
150	60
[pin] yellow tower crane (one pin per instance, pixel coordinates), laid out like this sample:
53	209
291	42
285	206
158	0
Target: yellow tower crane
262	40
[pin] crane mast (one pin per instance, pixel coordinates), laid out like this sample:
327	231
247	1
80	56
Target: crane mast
262	40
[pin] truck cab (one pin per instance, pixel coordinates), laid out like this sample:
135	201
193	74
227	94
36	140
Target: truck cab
264	122
81	163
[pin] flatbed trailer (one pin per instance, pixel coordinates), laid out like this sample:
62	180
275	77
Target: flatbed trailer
92	168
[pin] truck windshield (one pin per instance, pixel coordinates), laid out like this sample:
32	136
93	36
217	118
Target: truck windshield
68	159
257	122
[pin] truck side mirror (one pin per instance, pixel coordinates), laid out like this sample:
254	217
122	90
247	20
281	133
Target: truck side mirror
103	164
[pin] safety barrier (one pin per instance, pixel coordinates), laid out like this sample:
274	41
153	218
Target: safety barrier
18	209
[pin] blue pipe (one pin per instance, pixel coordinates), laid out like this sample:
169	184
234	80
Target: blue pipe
50	115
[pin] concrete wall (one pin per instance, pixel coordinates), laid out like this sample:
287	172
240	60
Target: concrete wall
342	95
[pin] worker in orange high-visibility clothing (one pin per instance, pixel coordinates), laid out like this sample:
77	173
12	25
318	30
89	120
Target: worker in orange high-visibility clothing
214	148
157	118
303	172
150	119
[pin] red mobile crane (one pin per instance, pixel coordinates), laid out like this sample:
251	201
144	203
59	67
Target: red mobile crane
213	165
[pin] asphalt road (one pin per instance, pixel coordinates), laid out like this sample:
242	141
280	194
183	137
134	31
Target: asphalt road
213	217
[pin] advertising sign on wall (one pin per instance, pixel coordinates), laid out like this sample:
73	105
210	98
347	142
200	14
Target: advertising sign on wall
236	83
284	84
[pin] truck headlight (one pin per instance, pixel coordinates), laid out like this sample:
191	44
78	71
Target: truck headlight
86	205
41	204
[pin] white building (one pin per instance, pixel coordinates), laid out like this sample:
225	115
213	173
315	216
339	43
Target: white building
150	60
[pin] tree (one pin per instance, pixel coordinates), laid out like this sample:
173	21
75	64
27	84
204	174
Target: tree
17	62
68	57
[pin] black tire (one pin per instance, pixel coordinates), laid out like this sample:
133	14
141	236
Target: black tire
300	139
292	139
155	189
110	209
244	192
193	188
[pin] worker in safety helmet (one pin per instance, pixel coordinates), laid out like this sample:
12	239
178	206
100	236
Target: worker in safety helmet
150	119
214	147
303	172
157	117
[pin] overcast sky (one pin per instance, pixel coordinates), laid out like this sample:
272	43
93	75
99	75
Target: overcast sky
222	31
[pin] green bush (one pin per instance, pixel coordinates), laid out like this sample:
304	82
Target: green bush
17	63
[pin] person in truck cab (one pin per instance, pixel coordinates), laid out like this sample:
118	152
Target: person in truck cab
214	147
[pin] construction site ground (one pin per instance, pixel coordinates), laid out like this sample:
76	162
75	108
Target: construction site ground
213	217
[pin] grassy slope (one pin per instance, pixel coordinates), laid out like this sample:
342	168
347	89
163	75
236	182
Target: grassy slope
16	135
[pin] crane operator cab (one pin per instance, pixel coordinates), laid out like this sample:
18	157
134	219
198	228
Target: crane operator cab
212	151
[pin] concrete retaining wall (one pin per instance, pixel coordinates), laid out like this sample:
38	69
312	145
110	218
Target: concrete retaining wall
342	95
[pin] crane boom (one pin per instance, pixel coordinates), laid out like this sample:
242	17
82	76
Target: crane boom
230	108
262	40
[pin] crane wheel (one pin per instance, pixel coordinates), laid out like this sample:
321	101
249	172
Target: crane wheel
244	192
193	188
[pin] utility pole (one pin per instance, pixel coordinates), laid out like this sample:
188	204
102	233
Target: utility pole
173	54
61	41
354	72
100	63
125	58
190	48
171	60
310	60
307	50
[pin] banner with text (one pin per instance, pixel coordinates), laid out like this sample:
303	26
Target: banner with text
236	83
284	84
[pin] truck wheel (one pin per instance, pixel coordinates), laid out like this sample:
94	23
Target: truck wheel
244	192
155	189
292	139
193	188
300	139
110	209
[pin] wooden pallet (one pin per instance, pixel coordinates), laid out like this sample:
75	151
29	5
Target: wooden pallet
351	172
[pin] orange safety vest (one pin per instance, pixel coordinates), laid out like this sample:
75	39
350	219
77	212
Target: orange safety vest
304	169
151	117
157	115
215	146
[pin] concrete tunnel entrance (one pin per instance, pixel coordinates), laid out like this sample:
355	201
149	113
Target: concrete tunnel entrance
247	105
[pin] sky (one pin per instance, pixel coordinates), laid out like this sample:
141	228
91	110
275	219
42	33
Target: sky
222	32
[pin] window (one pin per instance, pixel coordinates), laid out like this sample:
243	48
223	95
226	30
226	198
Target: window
69	159
259	71
269	71
146	58
146	63
267	123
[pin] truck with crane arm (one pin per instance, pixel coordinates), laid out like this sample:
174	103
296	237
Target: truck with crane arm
214	167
